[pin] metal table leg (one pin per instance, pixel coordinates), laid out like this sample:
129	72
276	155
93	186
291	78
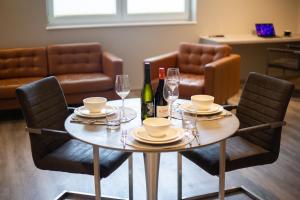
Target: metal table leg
179	176
222	170
151	161
96	172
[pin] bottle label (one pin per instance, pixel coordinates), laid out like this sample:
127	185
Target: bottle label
162	111
150	111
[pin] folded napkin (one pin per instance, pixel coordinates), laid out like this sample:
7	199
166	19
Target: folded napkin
214	117
90	121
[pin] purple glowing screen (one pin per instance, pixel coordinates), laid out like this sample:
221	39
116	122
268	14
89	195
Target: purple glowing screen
265	30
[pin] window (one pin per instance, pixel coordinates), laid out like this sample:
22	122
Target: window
107	12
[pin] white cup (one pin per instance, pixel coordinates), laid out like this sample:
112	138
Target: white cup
94	104
202	102
157	127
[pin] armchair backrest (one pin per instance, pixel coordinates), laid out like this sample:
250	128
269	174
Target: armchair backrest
44	106
23	62
192	58
74	58
264	99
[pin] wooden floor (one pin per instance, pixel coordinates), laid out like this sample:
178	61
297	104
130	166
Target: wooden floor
20	180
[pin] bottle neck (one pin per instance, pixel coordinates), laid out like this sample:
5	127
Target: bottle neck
147	74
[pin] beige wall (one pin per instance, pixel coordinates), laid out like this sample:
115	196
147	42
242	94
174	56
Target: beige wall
23	25
239	17
298	30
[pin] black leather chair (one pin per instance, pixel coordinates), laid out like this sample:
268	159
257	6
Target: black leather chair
284	58
44	108
261	112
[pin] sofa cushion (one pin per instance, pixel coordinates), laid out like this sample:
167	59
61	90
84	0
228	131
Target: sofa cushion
74	58
191	84
192	58
85	82
8	86
23	62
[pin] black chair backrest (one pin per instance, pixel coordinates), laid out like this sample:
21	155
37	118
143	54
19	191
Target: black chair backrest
264	99
44	106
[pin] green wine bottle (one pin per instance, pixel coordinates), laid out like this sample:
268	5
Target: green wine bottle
147	108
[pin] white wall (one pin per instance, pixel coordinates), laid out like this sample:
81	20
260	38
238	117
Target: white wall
23	25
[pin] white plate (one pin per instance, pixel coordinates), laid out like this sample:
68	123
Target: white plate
170	135
84	112
140	135
189	107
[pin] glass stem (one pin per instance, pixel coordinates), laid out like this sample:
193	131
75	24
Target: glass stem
171	110
123	111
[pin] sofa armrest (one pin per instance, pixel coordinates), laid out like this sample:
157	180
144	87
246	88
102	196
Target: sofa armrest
222	78
112	65
166	60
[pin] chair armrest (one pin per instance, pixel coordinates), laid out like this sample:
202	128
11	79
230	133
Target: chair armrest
261	127
166	60
222	78
41	131
112	65
229	107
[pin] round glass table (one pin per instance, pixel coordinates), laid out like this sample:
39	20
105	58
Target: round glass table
210	132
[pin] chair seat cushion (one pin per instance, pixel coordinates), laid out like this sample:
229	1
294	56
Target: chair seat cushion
240	153
8	86
191	84
85	82
77	157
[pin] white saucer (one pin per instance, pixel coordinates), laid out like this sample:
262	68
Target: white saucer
189	107
84	112
173	135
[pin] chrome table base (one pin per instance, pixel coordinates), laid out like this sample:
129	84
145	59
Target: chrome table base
65	195
151	161
230	191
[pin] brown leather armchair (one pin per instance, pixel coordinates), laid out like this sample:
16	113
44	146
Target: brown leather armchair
18	67
204	69
84	70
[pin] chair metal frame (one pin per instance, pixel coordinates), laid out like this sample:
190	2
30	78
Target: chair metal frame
222	191
97	181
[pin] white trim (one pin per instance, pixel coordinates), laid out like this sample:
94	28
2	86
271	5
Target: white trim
121	18
82	26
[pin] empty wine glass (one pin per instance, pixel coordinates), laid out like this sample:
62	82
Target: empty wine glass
173	76
122	87
170	94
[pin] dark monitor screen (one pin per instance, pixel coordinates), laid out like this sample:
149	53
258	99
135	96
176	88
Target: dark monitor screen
265	30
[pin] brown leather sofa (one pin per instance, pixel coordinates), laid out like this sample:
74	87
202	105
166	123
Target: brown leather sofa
18	67
82	69
204	69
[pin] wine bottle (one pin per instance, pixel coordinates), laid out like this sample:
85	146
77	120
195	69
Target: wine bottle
161	108
147	108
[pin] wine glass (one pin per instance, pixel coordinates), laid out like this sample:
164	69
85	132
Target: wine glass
122	87
173	75
170	93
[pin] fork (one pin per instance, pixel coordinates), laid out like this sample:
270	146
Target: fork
196	136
